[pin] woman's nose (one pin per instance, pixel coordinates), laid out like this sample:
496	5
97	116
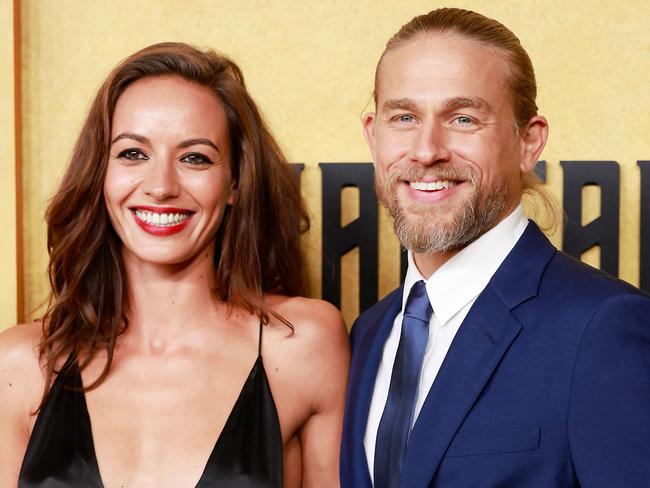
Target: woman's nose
161	182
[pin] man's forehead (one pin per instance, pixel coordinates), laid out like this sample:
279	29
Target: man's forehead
443	44
446	65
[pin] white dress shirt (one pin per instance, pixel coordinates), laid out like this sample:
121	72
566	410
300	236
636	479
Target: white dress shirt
452	291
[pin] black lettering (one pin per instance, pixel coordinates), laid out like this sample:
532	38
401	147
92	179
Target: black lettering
540	170
297	171
361	232
644	258
602	231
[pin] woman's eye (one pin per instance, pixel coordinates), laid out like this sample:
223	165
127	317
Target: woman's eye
133	155
195	159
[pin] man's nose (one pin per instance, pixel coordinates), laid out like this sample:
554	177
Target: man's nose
161	182
430	145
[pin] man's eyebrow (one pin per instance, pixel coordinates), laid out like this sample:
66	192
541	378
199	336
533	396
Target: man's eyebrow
399	104
193	142
467	102
131	135
449	104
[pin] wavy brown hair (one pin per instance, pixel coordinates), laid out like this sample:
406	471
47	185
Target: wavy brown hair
258	245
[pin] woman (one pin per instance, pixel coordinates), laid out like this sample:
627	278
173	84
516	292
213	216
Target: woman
173	237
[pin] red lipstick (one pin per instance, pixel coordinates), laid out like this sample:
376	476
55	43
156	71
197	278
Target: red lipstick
144	218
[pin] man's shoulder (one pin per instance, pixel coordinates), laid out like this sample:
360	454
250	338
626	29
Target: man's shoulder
378	310
373	315
571	294
565	272
539	269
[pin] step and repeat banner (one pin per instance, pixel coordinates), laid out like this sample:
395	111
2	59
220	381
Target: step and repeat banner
310	67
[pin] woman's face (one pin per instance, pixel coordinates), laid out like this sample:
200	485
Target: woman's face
169	178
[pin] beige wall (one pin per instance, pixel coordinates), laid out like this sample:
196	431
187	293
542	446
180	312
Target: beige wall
8	238
310	67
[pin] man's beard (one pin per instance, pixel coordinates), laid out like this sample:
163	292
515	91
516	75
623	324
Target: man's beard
443	226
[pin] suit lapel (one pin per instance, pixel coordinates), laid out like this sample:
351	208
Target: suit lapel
481	342
479	345
367	352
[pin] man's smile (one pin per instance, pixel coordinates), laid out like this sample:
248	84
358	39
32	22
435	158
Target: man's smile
431	185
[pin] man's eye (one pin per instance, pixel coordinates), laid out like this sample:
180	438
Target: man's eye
405	118
195	159
464	120
133	155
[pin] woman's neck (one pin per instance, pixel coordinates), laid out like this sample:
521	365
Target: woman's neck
167	302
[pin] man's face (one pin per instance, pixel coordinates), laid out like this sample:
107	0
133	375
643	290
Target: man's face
447	155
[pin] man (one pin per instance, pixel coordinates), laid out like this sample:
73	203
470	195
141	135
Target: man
501	362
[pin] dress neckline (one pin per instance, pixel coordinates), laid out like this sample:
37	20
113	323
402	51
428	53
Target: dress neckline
257	371
257	365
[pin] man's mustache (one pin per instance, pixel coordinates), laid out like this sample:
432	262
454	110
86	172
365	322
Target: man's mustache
418	173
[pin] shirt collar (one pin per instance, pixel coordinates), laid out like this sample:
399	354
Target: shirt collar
461	279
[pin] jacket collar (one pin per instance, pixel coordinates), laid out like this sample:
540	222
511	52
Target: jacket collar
481	342
368	337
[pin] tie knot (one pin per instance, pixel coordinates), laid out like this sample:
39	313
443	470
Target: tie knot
417	304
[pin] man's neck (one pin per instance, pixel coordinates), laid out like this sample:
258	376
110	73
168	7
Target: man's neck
428	264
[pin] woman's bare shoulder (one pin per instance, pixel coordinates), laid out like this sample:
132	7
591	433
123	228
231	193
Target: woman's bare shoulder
319	334
20	343
21	389
309	315
20	370
317	354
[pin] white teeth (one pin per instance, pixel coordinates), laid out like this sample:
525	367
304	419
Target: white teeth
161	219
431	185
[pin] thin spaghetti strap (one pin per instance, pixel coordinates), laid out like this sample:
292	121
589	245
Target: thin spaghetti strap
259	345
69	367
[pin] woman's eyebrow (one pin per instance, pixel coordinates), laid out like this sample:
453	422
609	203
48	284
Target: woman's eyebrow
131	135
192	142
183	144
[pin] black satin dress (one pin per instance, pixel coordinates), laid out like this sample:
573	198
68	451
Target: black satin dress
248	453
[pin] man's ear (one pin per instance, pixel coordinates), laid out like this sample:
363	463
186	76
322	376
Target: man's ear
369	131
533	140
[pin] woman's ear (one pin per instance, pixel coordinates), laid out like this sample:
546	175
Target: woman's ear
233	193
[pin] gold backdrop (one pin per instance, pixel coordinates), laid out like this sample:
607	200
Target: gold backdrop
310	65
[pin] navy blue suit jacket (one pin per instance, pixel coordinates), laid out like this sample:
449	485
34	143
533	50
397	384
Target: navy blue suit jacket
546	384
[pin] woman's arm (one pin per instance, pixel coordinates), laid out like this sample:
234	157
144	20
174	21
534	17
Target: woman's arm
320	436
21	384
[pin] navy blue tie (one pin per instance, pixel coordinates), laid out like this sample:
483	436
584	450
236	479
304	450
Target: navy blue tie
395	424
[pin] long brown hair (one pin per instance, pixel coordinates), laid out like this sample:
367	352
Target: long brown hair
258	248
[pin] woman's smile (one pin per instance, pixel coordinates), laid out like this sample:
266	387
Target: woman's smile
161	221
169	179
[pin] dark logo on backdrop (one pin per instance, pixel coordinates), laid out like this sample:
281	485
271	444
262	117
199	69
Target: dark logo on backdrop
604	231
